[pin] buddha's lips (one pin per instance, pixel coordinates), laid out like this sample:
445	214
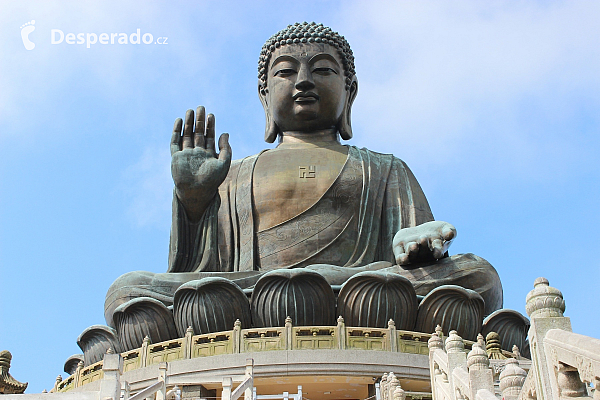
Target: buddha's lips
306	97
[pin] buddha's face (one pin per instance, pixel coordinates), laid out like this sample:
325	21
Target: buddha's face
305	87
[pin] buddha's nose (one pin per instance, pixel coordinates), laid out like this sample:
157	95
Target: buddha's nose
304	81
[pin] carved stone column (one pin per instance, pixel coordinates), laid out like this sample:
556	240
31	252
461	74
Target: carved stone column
110	386
480	374
512	379
545	306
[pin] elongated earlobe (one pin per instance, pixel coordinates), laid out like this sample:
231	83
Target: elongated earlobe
344	126
345	122
271	128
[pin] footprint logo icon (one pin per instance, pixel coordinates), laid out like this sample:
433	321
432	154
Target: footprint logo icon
26	29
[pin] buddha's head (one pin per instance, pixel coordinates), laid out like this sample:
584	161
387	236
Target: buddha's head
306	81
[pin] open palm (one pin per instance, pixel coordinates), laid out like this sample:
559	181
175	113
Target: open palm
196	168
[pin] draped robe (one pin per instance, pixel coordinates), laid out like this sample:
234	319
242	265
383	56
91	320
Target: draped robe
348	230
351	225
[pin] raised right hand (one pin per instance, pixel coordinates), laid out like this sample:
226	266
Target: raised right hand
196	168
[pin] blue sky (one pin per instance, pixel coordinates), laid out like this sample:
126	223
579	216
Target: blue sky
495	106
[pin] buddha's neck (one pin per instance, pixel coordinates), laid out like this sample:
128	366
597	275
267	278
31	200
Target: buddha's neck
298	139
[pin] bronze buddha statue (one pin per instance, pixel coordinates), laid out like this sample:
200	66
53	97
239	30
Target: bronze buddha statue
311	229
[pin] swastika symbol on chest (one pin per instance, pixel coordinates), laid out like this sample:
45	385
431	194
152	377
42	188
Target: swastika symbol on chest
305	172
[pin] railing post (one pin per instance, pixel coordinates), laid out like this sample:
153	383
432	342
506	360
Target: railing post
226	393
289	340
249	374
144	352
434	343
110	386
399	393
125	390
455	350
56	383
393	335
480	373
512	379
383	386
237	336
392	384
545	306
77	377
189	345
341	333
162	377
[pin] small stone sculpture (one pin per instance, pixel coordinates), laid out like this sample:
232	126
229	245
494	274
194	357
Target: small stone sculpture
512	328
8	384
493	347
544	300
512	379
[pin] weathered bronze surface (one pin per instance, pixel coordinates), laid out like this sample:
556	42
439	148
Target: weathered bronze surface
95	342
303	295
72	363
309	203
196	301
397	295
451	306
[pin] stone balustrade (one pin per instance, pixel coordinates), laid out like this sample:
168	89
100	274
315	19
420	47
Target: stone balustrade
458	375
576	361
237	340
565	364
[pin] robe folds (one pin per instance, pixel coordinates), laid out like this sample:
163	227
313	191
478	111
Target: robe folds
350	229
351	225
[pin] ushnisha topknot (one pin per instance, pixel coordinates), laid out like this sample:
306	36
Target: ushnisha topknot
306	33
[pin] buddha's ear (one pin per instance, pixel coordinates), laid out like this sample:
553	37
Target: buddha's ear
345	123
271	129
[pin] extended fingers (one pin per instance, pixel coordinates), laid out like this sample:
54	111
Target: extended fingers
224	148
199	131
176	136
188	130
210	135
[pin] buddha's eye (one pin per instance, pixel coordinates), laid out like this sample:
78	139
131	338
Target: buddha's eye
284	72
324	71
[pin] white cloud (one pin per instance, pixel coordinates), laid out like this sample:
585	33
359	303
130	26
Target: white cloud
115	71
449	78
